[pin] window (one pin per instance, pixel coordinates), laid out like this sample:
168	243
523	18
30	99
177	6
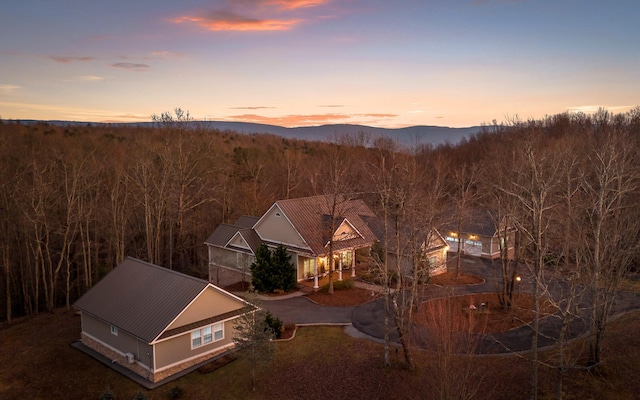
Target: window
218	331
114	330
207	335
208	338
196	338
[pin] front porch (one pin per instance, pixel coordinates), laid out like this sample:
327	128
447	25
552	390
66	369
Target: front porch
314	270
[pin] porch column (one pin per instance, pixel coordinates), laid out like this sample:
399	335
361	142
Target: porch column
315	276
353	263
339	266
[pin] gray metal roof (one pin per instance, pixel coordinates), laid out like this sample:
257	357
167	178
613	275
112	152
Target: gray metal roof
480	222
141	298
222	234
246	221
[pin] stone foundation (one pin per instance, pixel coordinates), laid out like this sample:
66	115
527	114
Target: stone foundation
138	367
117	357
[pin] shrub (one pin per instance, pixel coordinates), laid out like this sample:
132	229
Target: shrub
140	396
339	285
274	324
107	394
176	392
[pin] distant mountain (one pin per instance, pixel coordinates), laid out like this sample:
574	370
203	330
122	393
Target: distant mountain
409	136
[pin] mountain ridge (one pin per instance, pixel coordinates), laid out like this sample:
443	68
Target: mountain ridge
411	135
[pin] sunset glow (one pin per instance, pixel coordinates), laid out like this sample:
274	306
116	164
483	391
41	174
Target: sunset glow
310	62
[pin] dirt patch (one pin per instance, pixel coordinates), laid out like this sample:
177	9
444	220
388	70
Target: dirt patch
343	298
449	279
488	315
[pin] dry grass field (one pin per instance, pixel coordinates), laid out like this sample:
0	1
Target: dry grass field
37	362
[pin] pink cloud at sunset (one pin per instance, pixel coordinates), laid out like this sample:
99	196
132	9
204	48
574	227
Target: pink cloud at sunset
227	21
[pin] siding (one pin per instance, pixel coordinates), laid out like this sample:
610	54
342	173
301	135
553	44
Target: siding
178	349
278	229
124	342
209	304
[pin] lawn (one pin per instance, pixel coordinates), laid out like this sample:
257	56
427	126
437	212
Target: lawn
37	362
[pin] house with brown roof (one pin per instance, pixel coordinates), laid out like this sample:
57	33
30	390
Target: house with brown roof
307	227
480	235
157	322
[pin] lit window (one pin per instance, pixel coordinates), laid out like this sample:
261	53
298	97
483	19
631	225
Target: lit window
114	330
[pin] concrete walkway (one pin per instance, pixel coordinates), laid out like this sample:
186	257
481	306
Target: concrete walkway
367	320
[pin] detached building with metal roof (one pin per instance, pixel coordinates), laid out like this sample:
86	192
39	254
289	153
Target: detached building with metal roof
157	322
481	235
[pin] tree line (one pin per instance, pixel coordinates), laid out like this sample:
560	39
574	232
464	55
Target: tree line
75	200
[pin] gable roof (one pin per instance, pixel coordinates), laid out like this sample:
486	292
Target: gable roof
311	217
246	221
224	234
142	298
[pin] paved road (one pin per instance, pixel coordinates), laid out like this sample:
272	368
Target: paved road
368	319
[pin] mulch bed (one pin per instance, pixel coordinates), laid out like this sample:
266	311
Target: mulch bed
342	298
450	279
217	363
288	330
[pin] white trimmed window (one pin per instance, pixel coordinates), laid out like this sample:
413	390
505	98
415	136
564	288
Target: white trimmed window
206	335
218	331
114	330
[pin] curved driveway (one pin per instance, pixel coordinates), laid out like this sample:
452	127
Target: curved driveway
368	319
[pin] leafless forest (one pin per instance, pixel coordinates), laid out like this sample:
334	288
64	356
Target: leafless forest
75	200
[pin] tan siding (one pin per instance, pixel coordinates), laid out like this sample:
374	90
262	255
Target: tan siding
209	304
178	349
278	229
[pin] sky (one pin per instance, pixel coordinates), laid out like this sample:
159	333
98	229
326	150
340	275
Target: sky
384	63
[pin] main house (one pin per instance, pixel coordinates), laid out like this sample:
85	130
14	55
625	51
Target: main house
481	235
157	322
307	227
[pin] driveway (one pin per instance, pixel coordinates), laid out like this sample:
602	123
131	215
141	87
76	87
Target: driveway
302	311
368	319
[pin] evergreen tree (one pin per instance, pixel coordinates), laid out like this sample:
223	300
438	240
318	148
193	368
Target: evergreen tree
261	270
283	270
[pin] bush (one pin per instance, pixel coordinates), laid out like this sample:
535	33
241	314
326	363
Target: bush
140	396
107	395
176	392
339	285
274	324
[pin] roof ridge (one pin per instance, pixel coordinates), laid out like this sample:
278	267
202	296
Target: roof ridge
167	270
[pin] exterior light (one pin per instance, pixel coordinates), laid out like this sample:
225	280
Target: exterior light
518	279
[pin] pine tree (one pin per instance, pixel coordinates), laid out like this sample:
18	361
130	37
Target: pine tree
261	270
